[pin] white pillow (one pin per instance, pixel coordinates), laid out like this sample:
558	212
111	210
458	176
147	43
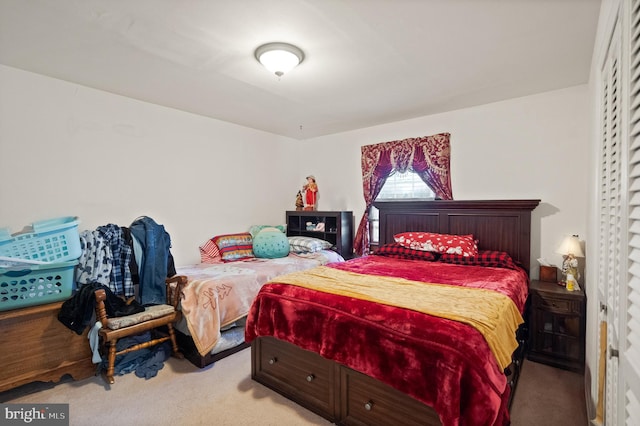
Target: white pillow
302	244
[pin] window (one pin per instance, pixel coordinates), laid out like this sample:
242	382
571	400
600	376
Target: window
398	186
405	186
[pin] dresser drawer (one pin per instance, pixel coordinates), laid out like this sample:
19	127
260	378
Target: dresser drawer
367	402
300	375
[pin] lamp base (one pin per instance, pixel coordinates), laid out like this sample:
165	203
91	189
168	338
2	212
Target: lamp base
572	284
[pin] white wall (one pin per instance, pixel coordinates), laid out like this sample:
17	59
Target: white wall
535	147
69	150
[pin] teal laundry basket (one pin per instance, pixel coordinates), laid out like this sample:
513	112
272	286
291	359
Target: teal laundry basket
52	240
27	284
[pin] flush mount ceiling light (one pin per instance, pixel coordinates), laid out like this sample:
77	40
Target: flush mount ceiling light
279	58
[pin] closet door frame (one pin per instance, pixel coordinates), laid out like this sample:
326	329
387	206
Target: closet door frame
617	260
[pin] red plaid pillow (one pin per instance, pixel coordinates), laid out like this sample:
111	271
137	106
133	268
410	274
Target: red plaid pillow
397	251
496	259
464	245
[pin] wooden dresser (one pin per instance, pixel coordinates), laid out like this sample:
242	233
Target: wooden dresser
35	346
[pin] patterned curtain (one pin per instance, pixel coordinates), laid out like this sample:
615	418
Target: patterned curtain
427	156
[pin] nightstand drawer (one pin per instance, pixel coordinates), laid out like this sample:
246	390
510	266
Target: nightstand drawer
560	306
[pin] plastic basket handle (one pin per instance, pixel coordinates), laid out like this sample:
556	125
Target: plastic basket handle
16	274
58	223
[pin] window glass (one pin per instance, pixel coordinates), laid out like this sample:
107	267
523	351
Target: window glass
406	185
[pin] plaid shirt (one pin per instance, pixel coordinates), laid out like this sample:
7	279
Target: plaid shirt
121	282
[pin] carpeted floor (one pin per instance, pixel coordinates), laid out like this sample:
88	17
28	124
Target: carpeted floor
549	396
224	394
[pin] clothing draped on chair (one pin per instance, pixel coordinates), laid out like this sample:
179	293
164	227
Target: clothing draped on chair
121	258
427	156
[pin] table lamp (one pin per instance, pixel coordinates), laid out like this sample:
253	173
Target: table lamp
571	250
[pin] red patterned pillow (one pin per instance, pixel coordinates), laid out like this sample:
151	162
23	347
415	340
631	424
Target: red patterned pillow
463	245
209	252
235	246
496	259
397	251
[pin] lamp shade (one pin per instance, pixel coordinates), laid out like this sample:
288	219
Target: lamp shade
279	58
570	245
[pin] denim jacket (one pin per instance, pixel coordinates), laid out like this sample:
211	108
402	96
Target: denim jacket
157	262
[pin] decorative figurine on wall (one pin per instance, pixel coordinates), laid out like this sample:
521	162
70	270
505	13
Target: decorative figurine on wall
299	202
310	193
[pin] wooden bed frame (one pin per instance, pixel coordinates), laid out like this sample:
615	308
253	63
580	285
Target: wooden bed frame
337	392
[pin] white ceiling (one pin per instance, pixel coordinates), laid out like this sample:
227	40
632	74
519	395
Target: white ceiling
367	62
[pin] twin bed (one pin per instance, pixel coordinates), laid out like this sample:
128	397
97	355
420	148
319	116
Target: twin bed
368	341
218	296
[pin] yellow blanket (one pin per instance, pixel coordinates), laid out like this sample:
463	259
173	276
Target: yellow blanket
491	313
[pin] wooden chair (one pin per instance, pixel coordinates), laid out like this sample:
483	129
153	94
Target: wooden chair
152	318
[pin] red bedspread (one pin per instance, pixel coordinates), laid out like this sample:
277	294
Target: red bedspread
443	363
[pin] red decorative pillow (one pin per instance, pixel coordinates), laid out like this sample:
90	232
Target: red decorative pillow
209	252
463	245
397	251
235	246
496	259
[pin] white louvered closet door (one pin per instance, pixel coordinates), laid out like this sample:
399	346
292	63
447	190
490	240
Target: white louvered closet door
629	350
610	215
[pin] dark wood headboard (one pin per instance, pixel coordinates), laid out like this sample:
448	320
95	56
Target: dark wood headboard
502	225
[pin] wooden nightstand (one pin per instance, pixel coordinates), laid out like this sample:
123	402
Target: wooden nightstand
557	326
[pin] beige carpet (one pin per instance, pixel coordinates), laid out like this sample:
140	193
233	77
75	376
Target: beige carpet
549	396
224	394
